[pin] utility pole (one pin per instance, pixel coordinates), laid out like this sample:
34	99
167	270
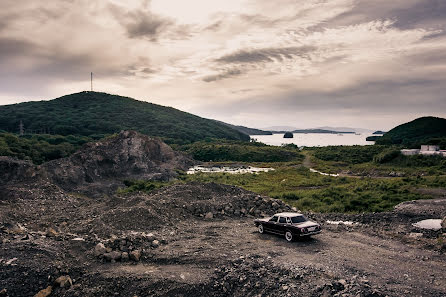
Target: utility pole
91	81
21	130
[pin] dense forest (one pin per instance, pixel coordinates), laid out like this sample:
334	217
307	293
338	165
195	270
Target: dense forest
238	151
425	130
40	148
95	115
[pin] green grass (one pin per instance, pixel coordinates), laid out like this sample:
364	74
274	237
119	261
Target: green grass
313	192
376	160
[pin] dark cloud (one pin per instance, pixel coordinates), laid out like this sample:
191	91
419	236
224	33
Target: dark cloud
406	14
223	75
146	24
266	55
13	47
142	23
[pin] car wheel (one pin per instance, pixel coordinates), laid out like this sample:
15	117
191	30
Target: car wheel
288	235
261	229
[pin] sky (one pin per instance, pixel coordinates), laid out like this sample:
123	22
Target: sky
259	63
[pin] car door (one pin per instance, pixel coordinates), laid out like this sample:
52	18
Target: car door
281	225
271	224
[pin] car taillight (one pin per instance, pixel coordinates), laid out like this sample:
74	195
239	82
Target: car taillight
304	230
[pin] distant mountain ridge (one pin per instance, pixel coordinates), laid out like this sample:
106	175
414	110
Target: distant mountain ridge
318	131
96	114
346	129
324	129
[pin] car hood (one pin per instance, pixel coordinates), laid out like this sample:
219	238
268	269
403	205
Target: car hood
306	224
262	220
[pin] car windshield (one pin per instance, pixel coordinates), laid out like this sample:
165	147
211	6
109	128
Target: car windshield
298	219
273	219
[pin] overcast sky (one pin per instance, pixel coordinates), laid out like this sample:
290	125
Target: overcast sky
303	63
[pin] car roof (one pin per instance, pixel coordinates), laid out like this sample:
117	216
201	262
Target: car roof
288	214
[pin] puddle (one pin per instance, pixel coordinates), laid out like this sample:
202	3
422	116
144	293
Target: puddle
323	173
232	170
349	223
431	224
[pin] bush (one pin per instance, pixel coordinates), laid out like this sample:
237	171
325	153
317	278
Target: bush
348	154
40	148
221	151
386	156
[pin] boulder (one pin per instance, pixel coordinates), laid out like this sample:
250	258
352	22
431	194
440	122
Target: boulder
64	281
45	292
155	243
209	215
112	256
124	256
135	255
99	249
150	237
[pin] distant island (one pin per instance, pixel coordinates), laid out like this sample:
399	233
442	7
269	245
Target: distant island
379	132
373	138
288	135
319	131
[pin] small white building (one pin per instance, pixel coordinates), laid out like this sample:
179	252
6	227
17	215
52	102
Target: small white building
410	152
430	148
427	150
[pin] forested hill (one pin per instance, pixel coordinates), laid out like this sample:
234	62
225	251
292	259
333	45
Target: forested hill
96	114
425	130
246	130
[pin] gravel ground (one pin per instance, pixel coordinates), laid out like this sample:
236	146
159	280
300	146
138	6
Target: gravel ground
184	251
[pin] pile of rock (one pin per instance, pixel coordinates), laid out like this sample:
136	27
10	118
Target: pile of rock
129	247
256	206
257	276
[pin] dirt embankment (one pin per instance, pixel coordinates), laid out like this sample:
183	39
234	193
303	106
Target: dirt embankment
101	167
193	239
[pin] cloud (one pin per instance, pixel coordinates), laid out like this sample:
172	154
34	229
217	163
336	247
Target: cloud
266	55
139	24
225	74
273	58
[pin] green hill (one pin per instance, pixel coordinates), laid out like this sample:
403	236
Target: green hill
247	130
425	130
96	114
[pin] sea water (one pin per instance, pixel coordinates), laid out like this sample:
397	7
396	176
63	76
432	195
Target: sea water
314	139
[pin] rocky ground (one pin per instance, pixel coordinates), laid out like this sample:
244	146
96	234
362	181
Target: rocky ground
199	240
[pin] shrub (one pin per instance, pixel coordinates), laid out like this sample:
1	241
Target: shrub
386	156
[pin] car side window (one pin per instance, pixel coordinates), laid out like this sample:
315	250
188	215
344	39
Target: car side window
273	219
282	220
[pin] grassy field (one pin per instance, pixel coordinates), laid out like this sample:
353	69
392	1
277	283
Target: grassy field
314	192
365	186
374	160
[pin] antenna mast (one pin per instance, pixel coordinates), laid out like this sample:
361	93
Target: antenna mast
91	81
21	128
